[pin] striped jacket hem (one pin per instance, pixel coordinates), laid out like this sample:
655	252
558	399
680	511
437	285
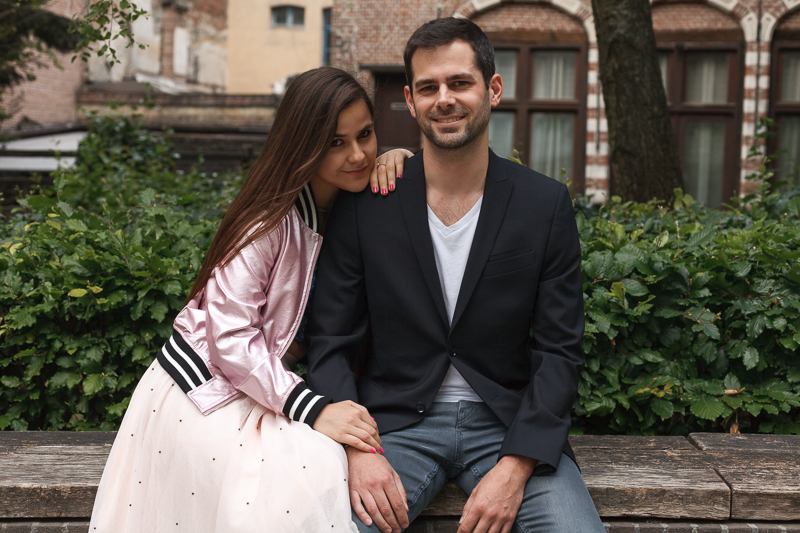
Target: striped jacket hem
189	371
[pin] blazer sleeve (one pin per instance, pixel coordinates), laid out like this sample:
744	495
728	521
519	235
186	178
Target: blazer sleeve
541	426
235	301
338	313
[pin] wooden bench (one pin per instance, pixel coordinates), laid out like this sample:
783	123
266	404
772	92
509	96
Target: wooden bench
708	482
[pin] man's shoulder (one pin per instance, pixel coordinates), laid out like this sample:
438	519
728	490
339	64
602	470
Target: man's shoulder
526	180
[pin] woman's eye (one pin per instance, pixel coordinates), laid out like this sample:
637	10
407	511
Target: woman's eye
337	142
364	134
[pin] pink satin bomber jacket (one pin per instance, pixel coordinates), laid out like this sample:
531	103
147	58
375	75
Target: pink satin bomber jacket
242	323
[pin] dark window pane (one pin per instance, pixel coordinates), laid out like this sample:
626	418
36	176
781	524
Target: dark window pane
789	149
501	133
554	75
505	64
298	16
707	78
279	15
704	160
552	136
790	77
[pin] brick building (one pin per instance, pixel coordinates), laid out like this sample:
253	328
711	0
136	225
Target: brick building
724	64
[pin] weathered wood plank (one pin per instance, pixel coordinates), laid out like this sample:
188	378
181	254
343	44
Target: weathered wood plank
50	481
673	483
764	486
751	442
449	502
13	439
624	442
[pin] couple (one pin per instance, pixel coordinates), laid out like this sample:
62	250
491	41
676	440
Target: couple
444	281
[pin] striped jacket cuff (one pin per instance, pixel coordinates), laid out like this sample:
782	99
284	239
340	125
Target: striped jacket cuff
304	406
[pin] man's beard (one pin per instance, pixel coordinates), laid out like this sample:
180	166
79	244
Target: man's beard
473	128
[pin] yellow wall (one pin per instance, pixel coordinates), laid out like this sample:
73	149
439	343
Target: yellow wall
259	55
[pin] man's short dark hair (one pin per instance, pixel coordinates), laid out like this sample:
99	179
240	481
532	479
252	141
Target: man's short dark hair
443	31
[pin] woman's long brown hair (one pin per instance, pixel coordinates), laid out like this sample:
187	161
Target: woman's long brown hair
298	141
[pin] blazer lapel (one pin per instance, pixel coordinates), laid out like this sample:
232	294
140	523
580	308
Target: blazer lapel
496	194
413	201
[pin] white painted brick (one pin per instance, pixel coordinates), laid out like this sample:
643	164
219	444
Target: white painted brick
594	55
597	171
599	196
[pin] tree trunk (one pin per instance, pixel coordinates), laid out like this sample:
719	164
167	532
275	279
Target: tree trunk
644	154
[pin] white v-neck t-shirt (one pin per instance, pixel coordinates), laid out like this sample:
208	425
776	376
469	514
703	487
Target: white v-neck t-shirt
451	246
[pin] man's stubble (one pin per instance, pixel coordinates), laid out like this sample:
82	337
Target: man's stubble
474	128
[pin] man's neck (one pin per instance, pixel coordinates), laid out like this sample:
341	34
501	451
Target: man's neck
454	179
460	172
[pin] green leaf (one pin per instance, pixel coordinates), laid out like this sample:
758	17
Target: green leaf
650	356
158	311
140	352
663	408
10	381
35	365
707	408
711	330
755	326
92	384
732	382
77	293
146	197
750	358
634	288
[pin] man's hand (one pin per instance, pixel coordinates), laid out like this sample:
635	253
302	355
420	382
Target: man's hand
375	485
494	503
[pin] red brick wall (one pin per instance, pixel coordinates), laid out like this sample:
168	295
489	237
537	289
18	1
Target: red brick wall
695	17
537	17
50	100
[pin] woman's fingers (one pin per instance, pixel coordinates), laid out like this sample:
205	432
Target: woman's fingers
367	433
358	443
374	176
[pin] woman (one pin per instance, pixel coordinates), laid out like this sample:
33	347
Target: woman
219	435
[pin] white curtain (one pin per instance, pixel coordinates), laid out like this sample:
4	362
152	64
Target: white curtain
707	78
505	64
554	75
790	77
501	133
663	63
552	136
789	147
704	161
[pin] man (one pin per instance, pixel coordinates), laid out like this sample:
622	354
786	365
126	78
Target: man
452	273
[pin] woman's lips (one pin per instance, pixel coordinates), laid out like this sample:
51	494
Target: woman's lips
358	171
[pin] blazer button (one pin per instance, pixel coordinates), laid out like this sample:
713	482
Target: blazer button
420	407
452	351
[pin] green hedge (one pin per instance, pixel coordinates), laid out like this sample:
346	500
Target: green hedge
693	315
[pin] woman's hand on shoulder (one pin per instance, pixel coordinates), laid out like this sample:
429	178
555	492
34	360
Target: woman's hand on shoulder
388	167
349	423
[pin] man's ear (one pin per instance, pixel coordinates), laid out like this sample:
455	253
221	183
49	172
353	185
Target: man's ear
410	101
495	89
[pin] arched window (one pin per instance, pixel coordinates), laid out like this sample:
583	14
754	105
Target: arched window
700	51
542	59
288	17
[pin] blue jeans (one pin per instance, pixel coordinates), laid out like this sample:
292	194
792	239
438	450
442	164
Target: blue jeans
460	442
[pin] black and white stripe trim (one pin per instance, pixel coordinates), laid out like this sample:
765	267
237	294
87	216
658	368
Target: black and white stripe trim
307	207
183	364
303	405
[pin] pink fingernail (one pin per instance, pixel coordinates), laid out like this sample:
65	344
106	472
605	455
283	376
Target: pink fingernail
372	450
391	186
374	189
399	175
372	417
383	191
381	449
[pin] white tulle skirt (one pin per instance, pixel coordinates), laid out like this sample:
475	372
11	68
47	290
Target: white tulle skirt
240	469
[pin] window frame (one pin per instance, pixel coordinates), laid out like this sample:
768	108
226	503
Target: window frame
290	13
777	108
681	112
524	106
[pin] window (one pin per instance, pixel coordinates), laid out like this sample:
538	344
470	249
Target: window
702	82
543	111
326	36
288	17
786	111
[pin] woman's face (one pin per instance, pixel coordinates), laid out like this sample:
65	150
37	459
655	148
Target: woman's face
351	155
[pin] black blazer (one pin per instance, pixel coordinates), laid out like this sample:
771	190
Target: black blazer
518	321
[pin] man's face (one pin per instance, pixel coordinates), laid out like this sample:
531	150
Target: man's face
450	100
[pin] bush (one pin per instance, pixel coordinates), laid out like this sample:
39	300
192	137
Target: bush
693	314
89	295
693	317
